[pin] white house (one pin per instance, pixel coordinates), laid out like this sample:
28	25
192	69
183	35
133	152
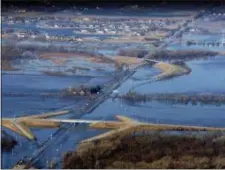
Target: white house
79	39
20	35
47	36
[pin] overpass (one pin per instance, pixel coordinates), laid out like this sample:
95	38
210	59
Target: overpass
151	61
22	125
110	86
124	126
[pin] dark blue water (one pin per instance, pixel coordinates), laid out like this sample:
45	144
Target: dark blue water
20	83
33	103
201	115
162	113
206	76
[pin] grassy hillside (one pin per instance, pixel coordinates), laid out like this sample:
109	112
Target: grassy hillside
155	150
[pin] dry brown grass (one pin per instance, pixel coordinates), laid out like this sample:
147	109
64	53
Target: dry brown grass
58	61
4	35
153	150
54	73
128	126
169	69
6	65
165	67
61	58
131	61
40	123
66	55
222	53
31	121
63	55
157	34
125	39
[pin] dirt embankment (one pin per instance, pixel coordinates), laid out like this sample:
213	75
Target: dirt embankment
170	70
154	150
128	61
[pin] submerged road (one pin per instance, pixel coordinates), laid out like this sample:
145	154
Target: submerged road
118	80
181	30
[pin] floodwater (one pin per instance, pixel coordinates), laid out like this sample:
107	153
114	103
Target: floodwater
154	112
56	31
28	101
206	76
32	103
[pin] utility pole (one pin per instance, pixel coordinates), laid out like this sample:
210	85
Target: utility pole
180	40
223	39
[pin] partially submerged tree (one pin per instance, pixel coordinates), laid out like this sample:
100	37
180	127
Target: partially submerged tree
179	54
133	52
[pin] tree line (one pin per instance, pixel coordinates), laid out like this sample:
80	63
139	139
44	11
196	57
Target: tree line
176	98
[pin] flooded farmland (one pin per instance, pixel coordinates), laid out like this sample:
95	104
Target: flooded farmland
71	60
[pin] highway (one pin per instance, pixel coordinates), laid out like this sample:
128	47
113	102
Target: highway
118	80
37	154
182	29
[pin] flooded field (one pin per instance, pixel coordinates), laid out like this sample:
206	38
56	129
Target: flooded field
63	59
202	82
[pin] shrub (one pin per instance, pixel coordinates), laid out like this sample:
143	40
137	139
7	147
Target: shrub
151	151
133	52
179	54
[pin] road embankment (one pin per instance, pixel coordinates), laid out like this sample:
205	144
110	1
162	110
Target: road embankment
170	70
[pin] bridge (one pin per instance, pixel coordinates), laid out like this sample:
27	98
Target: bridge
151	61
96	123
22	125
